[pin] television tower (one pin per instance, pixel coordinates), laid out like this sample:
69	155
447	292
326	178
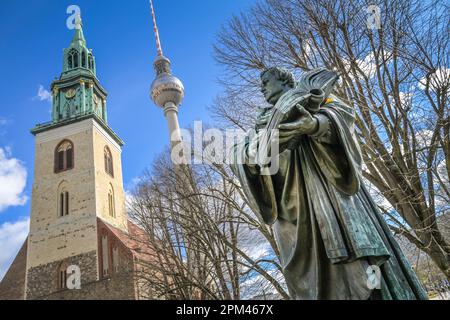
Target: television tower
166	91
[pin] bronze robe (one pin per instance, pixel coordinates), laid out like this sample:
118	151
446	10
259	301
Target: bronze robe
328	229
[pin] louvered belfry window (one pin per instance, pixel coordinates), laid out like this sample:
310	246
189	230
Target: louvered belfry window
64	156
72	59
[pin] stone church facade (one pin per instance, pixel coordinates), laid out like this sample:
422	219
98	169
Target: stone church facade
78	218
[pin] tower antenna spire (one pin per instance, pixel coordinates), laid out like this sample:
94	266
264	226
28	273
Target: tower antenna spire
166	90
155	30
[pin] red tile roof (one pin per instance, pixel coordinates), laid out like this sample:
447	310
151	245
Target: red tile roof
135	240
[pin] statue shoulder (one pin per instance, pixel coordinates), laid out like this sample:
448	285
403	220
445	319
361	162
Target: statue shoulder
340	109
341	105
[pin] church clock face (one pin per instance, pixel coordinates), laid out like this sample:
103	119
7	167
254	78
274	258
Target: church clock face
96	100
70	93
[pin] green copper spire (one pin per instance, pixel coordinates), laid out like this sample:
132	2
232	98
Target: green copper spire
78	37
77	57
78	92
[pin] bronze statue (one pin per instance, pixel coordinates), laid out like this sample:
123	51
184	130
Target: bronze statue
334	243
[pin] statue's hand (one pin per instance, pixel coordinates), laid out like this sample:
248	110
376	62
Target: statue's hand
306	124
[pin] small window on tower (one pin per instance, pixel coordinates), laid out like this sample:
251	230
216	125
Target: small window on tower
63	206
62	276
91	62
108	162
75	60
72	59
111	206
66	203
83	59
105	255
63	199
64	156
69	62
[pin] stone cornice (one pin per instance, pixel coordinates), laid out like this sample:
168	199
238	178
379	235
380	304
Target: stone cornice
40	128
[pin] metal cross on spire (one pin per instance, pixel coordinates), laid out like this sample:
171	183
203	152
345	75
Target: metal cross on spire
155	29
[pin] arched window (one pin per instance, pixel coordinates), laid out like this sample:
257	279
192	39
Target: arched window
63	203
75	59
72	58
70	62
108	162
91	62
64	156
111	205
83	59
63	199
62	276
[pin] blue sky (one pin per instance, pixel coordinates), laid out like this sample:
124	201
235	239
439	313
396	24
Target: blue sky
32	37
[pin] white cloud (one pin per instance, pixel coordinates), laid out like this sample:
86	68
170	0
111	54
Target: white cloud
367	65
43	94
423	138
257	285
12	236
13	177
129	190
129	200
133	183
258	251
405	97
438	79
308	48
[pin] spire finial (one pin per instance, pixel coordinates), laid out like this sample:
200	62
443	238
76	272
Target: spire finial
155	29
78	36
78	21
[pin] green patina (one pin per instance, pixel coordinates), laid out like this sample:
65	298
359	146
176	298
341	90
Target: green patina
77	94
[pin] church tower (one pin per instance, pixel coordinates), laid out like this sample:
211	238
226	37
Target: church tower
77	179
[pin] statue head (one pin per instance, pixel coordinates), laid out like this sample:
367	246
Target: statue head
274	82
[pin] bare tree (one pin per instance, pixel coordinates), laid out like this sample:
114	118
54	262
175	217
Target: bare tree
397	77
205	242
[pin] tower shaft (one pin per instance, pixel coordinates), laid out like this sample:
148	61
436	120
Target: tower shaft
171	114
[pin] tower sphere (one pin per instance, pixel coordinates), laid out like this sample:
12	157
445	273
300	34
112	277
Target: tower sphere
166	88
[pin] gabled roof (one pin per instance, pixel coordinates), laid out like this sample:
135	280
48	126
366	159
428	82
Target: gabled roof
12	286
136	240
